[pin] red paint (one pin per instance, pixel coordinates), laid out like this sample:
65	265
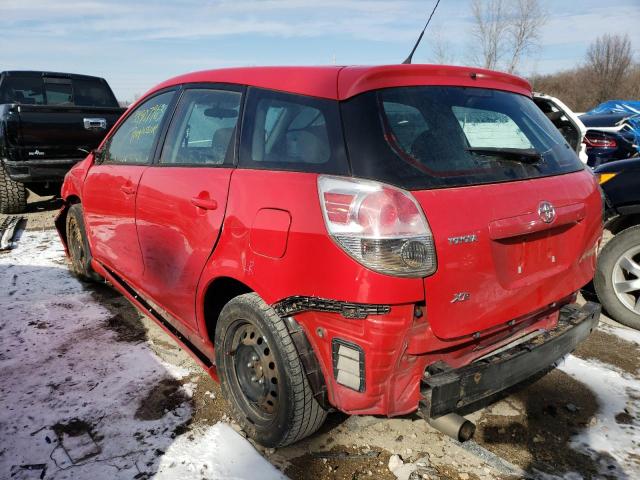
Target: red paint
269	232
171	231
176	234
109	202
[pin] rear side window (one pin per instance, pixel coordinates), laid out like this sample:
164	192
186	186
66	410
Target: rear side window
432	137
292	132
203	128
133	141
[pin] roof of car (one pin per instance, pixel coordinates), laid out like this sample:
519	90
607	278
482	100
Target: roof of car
39	73
341	83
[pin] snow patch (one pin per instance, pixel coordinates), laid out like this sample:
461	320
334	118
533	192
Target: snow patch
215	452
617	394
624	333
77	403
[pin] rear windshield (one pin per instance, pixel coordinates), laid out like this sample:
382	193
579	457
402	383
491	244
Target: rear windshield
430	137
39	90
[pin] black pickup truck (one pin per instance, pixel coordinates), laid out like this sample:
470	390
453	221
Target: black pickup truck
48	121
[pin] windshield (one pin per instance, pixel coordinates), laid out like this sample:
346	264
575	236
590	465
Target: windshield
430	137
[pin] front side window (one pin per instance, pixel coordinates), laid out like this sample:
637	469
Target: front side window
133	141
203	128
432	136
292	132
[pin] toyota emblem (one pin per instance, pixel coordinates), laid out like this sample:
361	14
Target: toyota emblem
547	212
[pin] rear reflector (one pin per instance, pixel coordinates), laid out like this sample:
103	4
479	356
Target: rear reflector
348	364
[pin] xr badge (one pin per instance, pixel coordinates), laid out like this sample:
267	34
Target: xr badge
460	297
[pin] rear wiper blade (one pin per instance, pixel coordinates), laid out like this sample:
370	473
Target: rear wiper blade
523	155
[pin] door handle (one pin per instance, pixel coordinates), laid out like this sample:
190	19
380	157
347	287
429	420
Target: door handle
204	203
128	190
95	123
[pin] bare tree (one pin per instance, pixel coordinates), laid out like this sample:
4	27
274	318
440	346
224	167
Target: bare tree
524	29
609	59
506	30
441	51
489	30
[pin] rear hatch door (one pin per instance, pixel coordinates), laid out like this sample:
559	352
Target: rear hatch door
514	214
508	250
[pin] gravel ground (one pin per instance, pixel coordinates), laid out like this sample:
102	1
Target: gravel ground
579	421
41	211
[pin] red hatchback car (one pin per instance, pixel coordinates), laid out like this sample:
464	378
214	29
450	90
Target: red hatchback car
375	240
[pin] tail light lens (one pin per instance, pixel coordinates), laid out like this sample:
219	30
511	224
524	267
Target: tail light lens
594	141
380	226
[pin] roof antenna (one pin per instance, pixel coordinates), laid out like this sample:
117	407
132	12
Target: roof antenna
408	60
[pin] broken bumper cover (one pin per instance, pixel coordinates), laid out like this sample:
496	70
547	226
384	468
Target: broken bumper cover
447	391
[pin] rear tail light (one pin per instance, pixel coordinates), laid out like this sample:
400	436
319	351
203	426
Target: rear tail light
380	226
595	141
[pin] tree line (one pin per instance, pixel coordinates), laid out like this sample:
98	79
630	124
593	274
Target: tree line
504	32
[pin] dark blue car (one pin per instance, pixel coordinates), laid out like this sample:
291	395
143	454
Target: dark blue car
605	141
617	278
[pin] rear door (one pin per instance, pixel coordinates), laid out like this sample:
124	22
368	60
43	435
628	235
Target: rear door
182	198
109	192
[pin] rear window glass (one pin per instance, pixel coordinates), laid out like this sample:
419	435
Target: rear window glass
39	90
430	137
22	90
292	132
58	91
92	93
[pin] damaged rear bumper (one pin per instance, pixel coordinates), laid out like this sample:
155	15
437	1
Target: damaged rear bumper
445	391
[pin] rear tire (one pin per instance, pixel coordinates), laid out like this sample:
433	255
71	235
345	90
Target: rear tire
78	245
615	274
261	374
13	195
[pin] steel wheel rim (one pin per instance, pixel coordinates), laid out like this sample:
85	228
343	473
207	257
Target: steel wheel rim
626	279
255	372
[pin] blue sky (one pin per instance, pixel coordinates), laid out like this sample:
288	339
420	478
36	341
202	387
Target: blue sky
137	44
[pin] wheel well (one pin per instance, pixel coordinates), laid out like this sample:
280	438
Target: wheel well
61	220
218	294
618	224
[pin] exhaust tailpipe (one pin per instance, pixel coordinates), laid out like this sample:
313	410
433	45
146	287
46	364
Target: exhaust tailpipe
454	425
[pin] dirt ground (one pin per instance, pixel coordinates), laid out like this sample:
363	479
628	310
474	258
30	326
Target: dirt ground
528	433
41	211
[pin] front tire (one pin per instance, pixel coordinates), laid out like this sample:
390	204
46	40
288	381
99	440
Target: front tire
261	374
617	279
13	195
78	245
